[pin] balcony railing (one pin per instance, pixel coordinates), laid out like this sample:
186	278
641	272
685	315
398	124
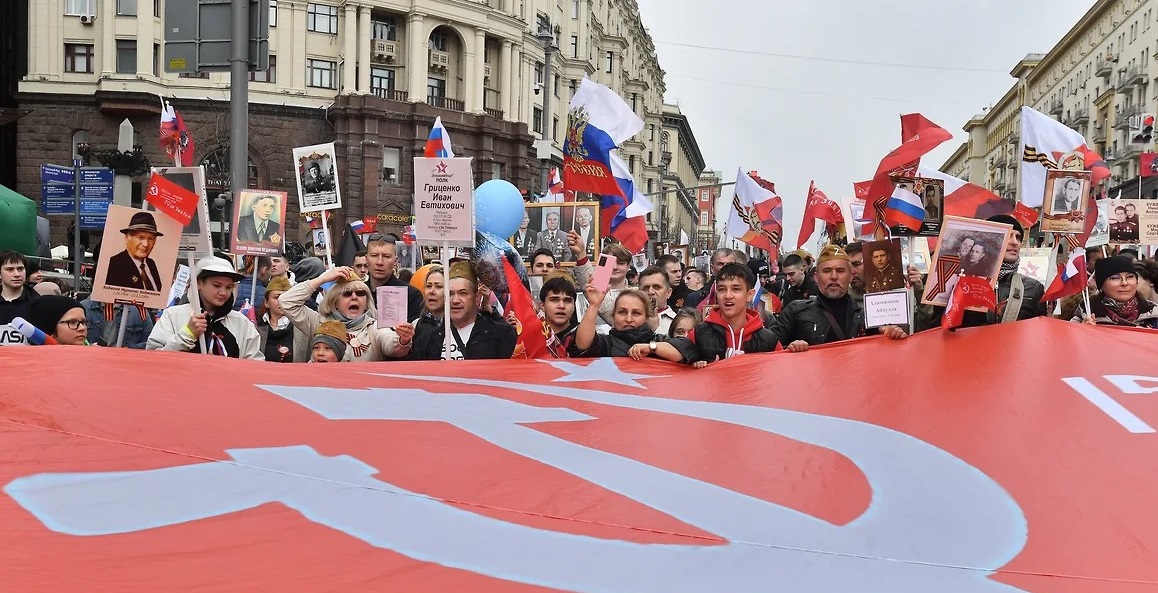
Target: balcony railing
1105	65
1099	136
1056	108
446	103
1124	118
495	113
1081	116
390	94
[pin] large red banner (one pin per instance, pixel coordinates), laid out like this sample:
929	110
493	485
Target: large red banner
1010	458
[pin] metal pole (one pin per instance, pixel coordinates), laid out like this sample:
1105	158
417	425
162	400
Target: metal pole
548	39
239	101
77	254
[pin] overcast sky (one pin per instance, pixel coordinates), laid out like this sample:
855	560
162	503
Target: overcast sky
799	119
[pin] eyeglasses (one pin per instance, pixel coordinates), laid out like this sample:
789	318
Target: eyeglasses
1123	278
74	324
359	293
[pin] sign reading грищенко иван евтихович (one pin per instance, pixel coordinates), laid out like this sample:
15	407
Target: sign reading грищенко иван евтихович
444	201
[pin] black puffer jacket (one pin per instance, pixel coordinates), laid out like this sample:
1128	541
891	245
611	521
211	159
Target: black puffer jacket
805	320
614	343
713	339
489	339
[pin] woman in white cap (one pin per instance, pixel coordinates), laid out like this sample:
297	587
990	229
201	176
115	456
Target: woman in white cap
227	332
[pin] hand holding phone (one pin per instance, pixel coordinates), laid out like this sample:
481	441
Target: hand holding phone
601	279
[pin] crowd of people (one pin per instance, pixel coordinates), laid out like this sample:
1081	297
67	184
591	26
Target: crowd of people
307	313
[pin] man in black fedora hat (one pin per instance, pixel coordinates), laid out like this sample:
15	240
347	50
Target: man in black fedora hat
133	268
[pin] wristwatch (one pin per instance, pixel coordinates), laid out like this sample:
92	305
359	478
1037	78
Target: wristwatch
651	345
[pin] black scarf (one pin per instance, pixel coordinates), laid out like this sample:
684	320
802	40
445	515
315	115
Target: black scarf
218	338
639	335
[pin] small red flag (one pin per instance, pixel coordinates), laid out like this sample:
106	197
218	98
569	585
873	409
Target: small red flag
971	292
818	207
1025	215
532	331
171	199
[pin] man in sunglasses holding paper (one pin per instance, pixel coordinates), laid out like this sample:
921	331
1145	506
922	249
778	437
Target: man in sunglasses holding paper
382	255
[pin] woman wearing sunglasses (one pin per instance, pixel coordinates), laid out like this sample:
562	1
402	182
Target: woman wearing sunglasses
349	301
1117	301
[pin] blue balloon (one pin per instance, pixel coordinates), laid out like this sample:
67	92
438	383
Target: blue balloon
498	208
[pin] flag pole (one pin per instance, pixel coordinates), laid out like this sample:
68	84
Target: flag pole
447	338
124	323
194	296
326	239
912	248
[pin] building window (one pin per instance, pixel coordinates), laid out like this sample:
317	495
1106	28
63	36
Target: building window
651	132
574	9
650	187
496	170
435	88
610	61
438	41
202	74
322	19
157	8
631	164
78	57
555	86
539	73
554	128
542	22
650	158
126	7
574	46
537	120
156	59
126	56
391	159
322	74
273	13
703	219
381	81
79	7
574	87
386	28
634	103
269	75
79	137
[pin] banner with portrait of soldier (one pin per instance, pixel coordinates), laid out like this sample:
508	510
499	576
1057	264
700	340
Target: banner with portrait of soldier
138	258
259	222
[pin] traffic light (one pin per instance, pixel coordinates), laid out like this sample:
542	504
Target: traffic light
1144	132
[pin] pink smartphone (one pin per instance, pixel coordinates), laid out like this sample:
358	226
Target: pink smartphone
601	279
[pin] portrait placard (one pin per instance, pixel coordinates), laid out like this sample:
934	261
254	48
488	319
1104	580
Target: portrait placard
317	178
883	266
932	194
545	226
138	258
1066	196
1133	222
965	246
259	222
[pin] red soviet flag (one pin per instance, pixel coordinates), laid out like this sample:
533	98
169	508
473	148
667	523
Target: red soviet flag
532	342
818	207
971	292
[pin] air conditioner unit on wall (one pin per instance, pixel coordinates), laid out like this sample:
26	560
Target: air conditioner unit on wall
87	19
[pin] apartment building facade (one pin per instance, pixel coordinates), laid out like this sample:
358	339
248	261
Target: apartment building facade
369	75
1096	80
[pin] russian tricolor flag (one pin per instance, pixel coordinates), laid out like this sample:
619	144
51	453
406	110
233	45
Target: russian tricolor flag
1070	279
625	218
357	227
438	144
599	121
905	208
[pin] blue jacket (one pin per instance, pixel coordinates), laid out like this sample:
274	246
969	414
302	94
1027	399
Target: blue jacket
257	299
136	332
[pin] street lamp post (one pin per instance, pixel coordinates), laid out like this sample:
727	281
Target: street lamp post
547	37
